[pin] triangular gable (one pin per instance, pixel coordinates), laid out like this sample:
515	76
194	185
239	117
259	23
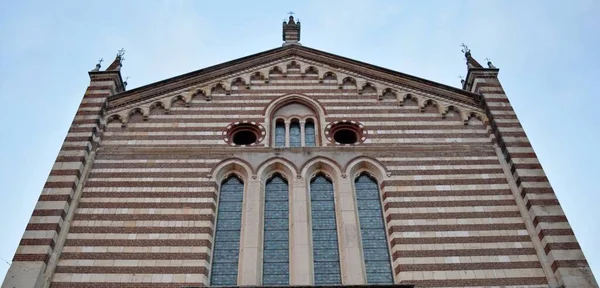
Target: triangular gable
222	77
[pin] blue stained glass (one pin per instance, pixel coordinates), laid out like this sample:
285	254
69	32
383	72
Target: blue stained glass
279	134
227	235
295	139
372	231
276	268
309	134
324	231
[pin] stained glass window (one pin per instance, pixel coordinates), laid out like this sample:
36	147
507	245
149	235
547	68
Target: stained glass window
227	236
295	140
372	231
280	134
276	268
324	232
309	134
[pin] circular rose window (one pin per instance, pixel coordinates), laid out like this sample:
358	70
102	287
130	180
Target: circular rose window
244	133
345	132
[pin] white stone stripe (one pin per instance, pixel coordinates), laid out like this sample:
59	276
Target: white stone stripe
144	211
452	209
448	177
442	167
150	170
461	246
90	199
449	187
91	190
468	259
131	236
441	221
132	263
449	198
146	179
130	278
459	233
157	160
418	158
141	223
27	249
414	124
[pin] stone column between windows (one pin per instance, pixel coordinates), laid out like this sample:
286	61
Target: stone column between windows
287	133
250	261
300	253
351	258
302	136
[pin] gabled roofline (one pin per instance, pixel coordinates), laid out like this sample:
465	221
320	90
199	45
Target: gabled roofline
219	70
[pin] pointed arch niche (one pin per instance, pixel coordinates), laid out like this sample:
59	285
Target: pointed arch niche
294	121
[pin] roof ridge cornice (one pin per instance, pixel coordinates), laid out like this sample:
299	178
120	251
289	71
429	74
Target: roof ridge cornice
216	71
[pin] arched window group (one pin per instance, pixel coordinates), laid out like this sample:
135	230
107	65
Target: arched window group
324	233
294	126
295	133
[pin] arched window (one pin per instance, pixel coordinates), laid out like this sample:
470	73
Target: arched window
326	256
290	129
295	138
279	133
309	133
226	248
372	231
276	268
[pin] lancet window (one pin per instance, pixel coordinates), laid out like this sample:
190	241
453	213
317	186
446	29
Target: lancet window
372	230
226	249
276	267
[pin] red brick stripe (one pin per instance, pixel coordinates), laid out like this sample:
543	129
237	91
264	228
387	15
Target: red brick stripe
53	212
95	175
139	242
479	282
37	242
134	183
139	256
472	239
140	230
145	217
30	257
87	195
466	203
569	264
550	219
442	193
151	165
561	246
457	215
447	171
55	197
43	226
180	205
469	227
467	266
446	182
121	285
132	270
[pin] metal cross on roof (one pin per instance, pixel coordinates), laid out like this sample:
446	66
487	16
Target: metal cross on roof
291	13
101	60
465	48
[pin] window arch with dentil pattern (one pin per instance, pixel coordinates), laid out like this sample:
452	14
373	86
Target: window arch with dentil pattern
294	125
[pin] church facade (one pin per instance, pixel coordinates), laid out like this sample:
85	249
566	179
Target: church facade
297	167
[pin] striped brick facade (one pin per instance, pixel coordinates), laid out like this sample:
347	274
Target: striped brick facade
132	198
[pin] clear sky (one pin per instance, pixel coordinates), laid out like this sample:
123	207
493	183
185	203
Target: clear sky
547	52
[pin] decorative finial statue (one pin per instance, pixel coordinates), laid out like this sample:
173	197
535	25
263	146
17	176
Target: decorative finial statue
465	49
489	63
98	65
121	52
125	82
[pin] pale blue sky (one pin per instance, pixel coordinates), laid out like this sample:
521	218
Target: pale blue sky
547	52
